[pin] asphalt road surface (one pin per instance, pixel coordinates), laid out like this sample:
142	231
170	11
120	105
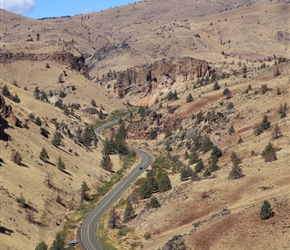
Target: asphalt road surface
88	229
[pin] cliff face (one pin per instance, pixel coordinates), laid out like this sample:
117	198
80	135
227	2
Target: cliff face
146	80
64	57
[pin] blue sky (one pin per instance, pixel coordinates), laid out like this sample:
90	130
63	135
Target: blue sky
55	8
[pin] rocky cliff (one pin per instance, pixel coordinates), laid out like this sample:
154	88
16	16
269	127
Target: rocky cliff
152	80
63	57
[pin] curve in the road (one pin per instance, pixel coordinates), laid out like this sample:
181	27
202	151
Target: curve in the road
88	229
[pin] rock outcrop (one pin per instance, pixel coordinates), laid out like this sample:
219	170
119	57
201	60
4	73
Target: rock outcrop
6	111
149	79
63	57
176	243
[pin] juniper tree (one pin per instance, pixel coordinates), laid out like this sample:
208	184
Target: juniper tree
41	246
60	164
266	211
129	212
84	189
154	202
189	98
199	166
206	144
276	133
38	121
114	219
216	86
265	124
16	157
193	156
185	173
58	243
106	162
56	141
269	153
236	172
43	155
164	183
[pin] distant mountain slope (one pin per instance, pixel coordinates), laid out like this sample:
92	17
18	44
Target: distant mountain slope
147	31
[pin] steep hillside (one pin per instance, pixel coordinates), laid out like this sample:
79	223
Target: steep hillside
53	97
210	210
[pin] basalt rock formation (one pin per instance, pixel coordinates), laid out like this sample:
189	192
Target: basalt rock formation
66	58
145	80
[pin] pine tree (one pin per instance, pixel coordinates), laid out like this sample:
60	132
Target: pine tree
59	242
269	153
106	162
216	151
93	102
38	121
206	144
16	157
231	129
185	173
193	157
114	219
41	246
60	164
266	211
43	155
212	164
56	141
245	69
164	183
5	91
84	189
265	124
199	166
206	173
189	98
154	202
175	95
129	212
145	190
236	172
276	133
216	86
152	183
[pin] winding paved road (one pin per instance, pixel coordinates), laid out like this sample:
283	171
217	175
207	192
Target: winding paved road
88	229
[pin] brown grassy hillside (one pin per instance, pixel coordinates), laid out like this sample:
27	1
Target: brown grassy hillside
210	213
30	178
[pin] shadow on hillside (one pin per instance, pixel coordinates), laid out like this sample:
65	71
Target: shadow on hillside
3	125
64	171
7	231
50	163
23	165
64	151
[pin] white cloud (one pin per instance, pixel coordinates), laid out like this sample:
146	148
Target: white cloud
17	6
86	11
